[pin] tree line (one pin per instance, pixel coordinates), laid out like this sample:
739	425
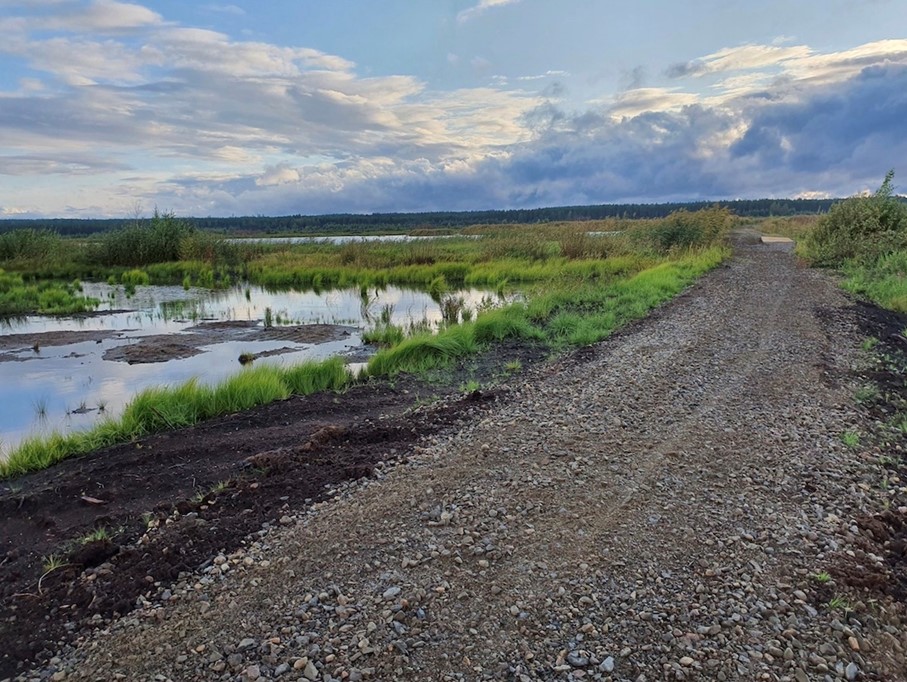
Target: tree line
390	222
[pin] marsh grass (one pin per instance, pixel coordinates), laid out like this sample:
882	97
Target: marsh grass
384	335
580	314
580	288
52	298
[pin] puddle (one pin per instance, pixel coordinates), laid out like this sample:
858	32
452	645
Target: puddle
64	374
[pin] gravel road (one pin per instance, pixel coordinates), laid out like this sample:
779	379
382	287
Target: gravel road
655	507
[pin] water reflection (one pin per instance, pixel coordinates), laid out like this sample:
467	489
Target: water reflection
70	386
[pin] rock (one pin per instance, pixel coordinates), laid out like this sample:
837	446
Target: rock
607	665
310	672
577	660
686	661
247	643
253	672
391	592
851	671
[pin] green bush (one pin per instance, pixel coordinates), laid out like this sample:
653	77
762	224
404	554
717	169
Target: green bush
860	228
158	240
684	229
30	244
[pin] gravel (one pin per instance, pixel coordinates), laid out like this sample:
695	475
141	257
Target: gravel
655	508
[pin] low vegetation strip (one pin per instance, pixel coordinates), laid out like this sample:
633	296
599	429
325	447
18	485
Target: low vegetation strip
167	250
157	409
578	315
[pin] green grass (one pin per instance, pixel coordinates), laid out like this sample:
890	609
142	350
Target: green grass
839	604
883	280
385	335
160	408
866	394
513	366
470	386
52	562
577	315
851	439
97	535
18	297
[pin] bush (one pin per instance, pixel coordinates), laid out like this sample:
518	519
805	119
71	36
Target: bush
685	229
30	244
860	228
157	241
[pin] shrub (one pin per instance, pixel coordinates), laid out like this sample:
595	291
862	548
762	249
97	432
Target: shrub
685	229
861	228
158	240
30	244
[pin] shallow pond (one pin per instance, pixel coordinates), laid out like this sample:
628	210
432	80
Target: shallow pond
66	373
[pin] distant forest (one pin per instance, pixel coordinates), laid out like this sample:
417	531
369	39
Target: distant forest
392	222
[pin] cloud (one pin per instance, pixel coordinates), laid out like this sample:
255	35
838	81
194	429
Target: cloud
225	9
57	163
481	8
280	174
640	100
551	73
100	16
199	122
740	58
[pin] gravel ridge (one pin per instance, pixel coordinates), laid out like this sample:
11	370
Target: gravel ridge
654	508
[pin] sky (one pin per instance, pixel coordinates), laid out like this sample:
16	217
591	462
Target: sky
274	107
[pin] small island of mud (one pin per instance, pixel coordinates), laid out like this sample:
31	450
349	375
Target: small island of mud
164	347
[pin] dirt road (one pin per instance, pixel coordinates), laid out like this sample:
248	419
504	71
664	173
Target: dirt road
676	503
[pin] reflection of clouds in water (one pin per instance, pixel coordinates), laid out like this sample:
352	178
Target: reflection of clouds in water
63	383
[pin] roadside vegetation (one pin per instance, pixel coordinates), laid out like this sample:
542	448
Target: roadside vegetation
866	238
578	282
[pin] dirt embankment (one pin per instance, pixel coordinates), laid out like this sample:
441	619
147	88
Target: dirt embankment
675	503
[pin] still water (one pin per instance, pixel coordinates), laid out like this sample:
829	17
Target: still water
66	387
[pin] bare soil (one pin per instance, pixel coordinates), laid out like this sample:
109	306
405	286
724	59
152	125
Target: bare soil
223	479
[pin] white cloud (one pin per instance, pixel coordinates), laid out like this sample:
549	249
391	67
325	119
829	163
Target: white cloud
548	74
280	174
481	8
634	102
744	57
102	15
199	122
